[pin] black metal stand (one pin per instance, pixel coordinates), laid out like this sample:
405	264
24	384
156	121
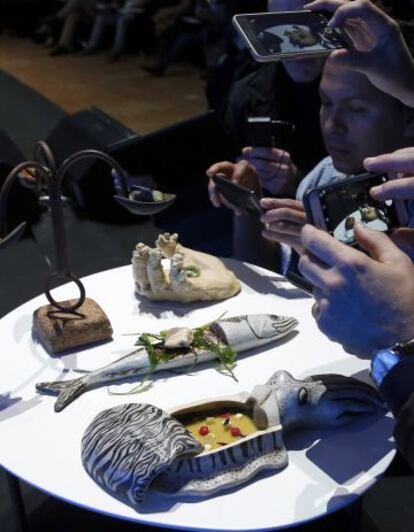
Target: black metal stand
17	503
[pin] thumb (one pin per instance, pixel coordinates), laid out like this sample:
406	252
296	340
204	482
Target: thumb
378	244
404	239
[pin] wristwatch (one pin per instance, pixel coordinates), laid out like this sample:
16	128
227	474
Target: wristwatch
385	359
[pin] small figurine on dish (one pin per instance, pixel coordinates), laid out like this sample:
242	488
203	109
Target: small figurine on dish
176	348
206	447
191	275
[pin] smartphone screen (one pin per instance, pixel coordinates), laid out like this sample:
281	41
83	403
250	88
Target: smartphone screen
342	205
293	33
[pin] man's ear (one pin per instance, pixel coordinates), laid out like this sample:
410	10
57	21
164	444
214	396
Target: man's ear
408	115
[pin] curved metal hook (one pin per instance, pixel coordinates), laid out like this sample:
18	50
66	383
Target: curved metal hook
43	153
45	166
71	278
4	193
87	154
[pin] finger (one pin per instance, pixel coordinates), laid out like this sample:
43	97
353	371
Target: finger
315	271
379	245
324	247
245	175
285	228
271	154
224	167
368	12
281	174
402	188
324	5
265	168
404	239
284	214
291	241
398	161
213	194
277	203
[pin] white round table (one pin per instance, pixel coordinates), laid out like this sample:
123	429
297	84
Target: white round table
327	469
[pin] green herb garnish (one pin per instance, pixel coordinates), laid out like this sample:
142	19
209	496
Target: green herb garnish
224	352
154	346
192	271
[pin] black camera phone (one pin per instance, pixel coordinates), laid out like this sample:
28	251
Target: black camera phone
337	207
290	34
237	195
263	131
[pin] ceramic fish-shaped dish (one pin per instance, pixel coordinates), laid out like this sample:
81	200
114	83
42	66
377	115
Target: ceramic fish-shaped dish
176	348
133	448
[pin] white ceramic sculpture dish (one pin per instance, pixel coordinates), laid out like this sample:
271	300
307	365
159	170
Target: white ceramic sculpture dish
178	347
132	448
191	276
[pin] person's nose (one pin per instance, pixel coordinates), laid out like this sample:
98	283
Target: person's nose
335	122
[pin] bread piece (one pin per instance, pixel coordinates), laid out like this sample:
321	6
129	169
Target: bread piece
58	331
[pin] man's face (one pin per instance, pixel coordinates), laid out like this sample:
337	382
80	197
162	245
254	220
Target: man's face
357	120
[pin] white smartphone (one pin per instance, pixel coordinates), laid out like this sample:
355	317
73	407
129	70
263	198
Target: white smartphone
337	207
289	34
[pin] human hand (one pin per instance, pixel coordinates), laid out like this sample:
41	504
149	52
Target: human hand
380	50
400	163
364	303
284	220
400	166
242	173
275	169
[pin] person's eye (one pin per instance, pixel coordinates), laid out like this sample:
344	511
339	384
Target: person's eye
357	109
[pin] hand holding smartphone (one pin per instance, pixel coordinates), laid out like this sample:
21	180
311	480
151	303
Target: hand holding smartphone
338	207
237	195
289	34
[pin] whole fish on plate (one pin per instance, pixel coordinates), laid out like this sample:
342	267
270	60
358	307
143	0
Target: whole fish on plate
179	347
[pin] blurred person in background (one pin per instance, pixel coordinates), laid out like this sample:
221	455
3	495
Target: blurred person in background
136	14
69	18
181	28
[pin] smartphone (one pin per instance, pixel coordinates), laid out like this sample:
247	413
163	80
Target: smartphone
289	34
237	195
337	207
263	131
